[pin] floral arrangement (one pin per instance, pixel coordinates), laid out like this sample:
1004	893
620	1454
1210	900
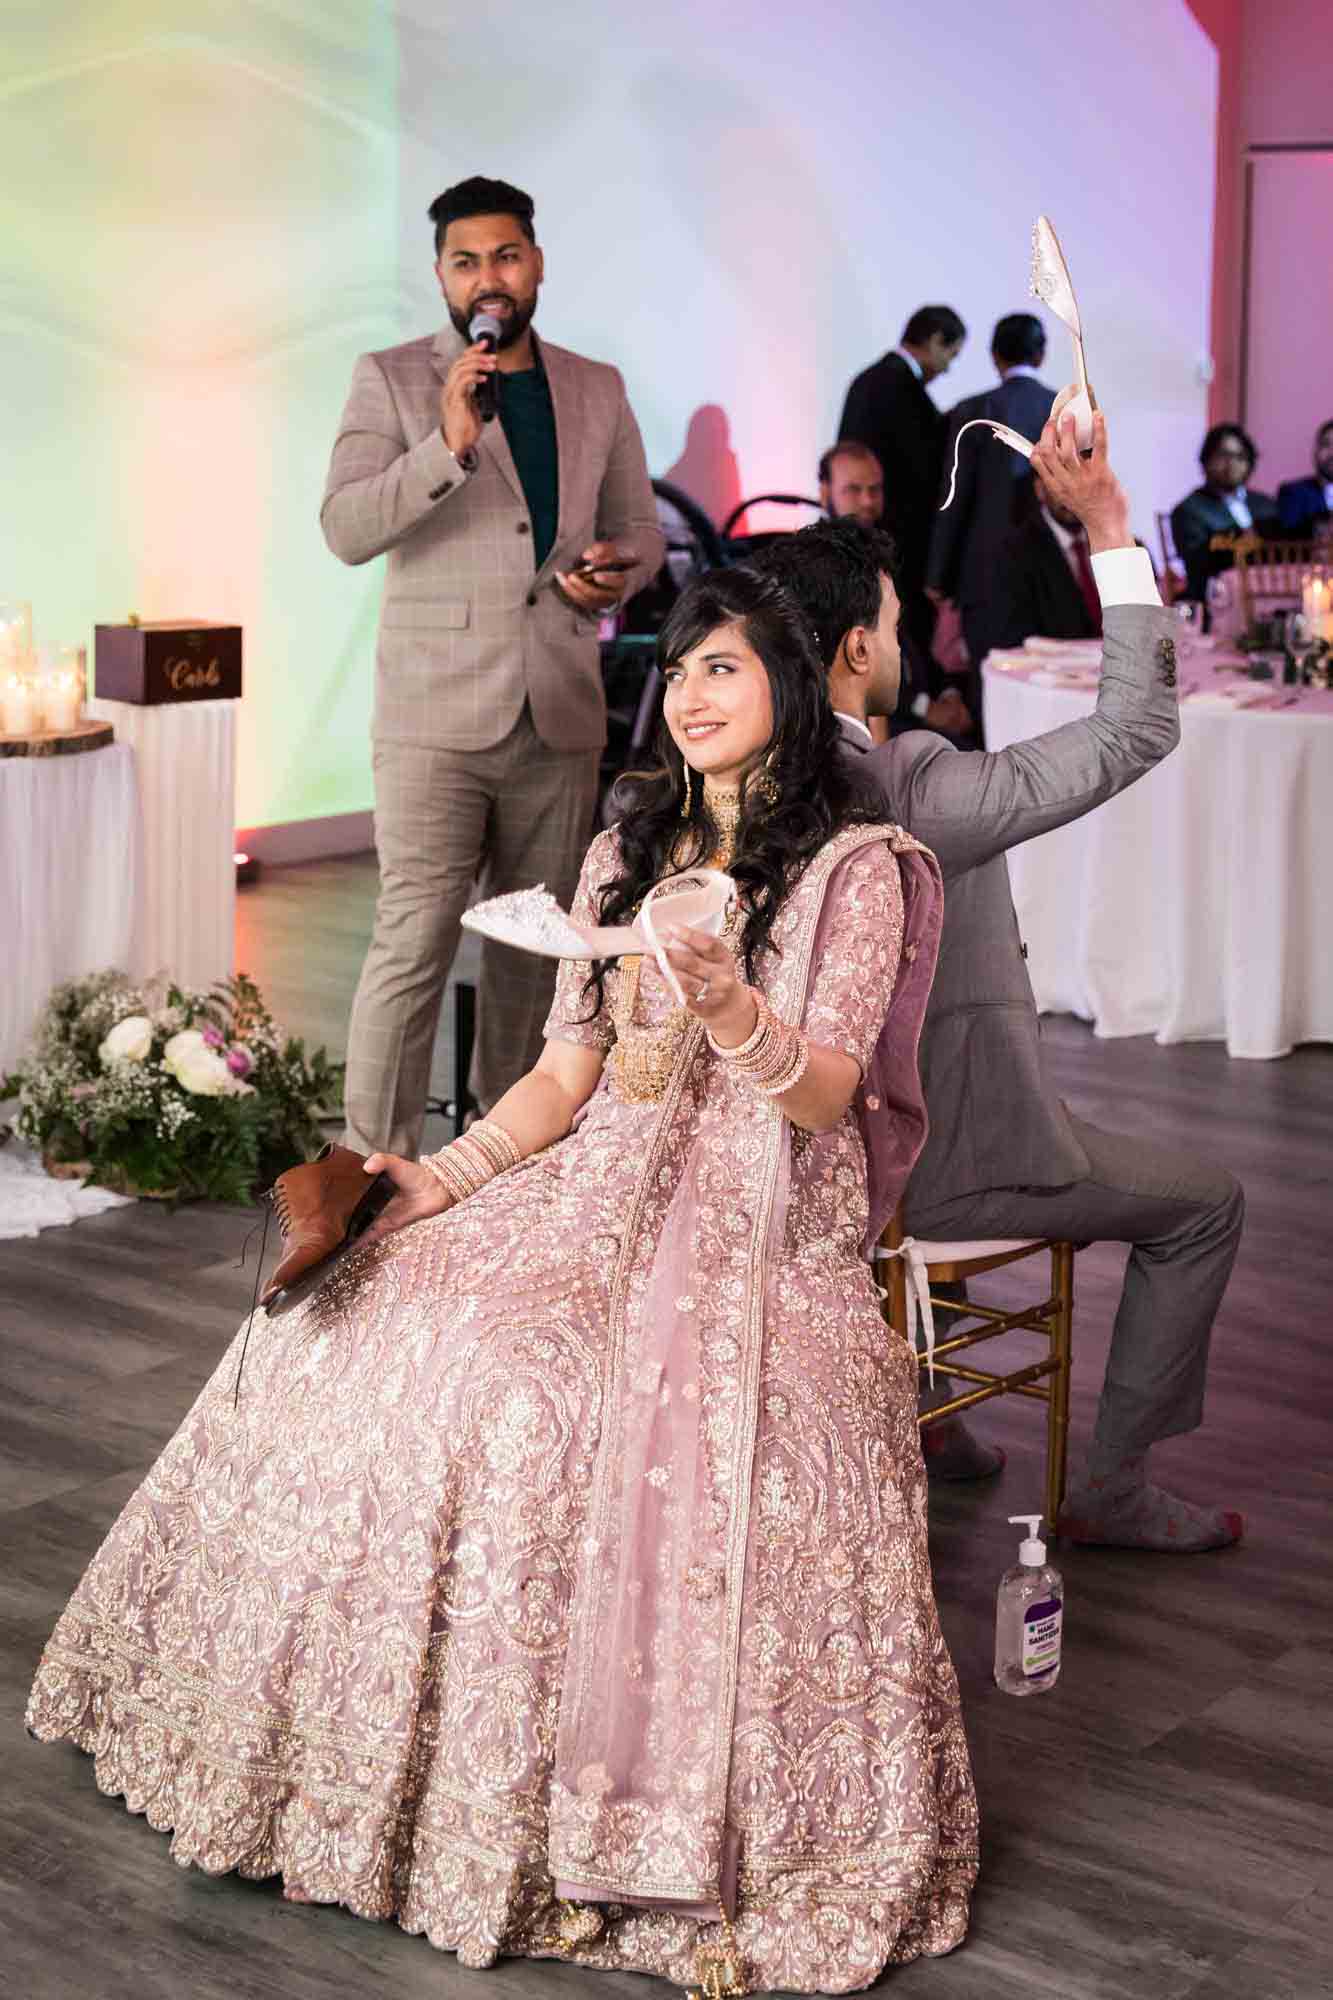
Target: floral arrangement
158	1091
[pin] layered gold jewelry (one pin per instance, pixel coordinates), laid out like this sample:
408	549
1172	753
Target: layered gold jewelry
773	1057
477	1156
724	809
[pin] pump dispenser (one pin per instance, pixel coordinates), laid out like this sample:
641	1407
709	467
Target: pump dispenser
1029	1614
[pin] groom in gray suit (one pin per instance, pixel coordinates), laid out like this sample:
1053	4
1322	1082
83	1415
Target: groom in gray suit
1004	1157
506	542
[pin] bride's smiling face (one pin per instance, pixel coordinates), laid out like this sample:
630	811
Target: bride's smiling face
718	706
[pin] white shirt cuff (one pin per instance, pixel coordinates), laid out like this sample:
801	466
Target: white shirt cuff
1124	576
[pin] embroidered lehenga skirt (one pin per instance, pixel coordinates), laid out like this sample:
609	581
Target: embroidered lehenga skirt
543	1613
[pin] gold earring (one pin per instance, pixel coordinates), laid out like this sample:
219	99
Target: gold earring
687	803
766	784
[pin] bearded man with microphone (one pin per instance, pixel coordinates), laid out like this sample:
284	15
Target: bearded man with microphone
507	541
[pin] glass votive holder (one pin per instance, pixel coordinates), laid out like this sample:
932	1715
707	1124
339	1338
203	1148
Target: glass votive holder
61	682
15	636
19	712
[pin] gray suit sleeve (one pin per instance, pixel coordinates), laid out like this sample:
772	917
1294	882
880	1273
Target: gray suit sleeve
626	508
379	487
969	806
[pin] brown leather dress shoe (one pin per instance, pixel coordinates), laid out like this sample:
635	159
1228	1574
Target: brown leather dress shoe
322	1209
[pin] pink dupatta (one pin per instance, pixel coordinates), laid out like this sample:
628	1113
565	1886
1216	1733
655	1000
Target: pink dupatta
644	1736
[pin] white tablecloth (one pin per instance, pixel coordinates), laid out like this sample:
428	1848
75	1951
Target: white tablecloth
1196	905
186	754
71	872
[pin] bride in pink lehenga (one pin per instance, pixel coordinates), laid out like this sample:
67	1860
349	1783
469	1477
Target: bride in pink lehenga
558	1585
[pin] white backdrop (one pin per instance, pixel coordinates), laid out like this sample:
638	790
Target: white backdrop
210	206
740	206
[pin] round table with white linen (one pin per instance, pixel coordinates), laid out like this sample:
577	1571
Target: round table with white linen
1193	906
71	870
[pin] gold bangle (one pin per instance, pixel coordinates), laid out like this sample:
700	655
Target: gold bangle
477	1156
762	1015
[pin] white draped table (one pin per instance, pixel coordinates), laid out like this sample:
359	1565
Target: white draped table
1195	906
71	872
186	758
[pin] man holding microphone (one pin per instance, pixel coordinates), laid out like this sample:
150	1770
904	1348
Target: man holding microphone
507	540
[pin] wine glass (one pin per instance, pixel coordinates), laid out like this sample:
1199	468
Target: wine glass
1299	643
1220	598
1189	622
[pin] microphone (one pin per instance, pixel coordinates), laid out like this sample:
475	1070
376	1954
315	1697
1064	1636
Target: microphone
484	330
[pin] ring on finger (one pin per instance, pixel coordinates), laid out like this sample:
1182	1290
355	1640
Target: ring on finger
702	994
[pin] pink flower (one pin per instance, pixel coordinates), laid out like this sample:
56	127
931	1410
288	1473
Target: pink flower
212	1038
238	1061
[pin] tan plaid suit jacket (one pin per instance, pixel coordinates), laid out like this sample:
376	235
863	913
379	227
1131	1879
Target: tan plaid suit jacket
468	628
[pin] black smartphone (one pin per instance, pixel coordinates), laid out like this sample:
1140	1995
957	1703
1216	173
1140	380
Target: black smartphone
617	567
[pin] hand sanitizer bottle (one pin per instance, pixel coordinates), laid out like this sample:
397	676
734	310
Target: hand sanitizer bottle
1029	1611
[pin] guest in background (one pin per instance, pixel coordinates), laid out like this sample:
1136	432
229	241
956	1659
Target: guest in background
1226	504
889	408
966	539
1305	506
851	483
1044	582
851	486
1004	1156
489	710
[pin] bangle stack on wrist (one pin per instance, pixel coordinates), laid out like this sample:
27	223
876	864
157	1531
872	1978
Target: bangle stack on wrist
773	1057
482	1152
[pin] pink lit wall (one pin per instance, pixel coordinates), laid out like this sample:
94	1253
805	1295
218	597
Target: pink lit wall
1275	120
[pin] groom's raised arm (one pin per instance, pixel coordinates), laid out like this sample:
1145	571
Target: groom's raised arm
969	807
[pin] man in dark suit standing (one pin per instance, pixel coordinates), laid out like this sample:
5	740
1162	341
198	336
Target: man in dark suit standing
1305	506
1226	504
966	539
1044	582
888	407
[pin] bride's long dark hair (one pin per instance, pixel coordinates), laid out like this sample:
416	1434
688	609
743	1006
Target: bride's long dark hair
814	787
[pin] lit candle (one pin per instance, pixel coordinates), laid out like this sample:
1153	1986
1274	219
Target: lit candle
18	706
1317	604
60	702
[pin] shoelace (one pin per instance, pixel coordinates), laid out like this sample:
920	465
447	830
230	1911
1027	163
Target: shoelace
273	1198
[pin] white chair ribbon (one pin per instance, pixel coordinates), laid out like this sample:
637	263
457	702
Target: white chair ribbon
919	1313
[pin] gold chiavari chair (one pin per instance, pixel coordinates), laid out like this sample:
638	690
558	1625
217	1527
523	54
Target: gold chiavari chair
1269	574
912	1267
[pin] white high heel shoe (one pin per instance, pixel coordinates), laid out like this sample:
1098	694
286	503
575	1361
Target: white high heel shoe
1052	284
532	920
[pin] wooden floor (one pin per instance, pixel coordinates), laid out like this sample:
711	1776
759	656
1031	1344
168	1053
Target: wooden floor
1157	1828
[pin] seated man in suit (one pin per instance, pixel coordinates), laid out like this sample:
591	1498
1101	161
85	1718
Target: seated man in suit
1226	504
1004	1157
968	536
851	487
1044	581
1305	506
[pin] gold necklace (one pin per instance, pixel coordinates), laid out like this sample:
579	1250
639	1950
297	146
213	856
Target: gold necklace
724	809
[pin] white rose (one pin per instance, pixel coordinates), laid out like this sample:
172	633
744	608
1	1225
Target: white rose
203	1073
189	1042
129	1041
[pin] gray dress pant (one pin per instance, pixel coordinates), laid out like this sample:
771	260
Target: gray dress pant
510	817
1182	1219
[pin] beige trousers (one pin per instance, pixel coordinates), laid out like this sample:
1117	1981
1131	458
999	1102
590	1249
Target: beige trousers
511	816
